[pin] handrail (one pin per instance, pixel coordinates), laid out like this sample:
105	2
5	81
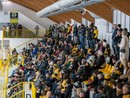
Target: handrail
17	93
23	43
15	85
33	89
19	84
23	29
26	42
20	33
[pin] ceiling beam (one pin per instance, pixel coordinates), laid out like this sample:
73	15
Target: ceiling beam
87	16
60	19
55	20
122	5
30	2
103	10
45	3
68	19
23	3
74	16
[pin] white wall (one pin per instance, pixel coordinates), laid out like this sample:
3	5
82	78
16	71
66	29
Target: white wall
0	34
104	28
16	42
121	18
4	18
10	6
84	21
28	23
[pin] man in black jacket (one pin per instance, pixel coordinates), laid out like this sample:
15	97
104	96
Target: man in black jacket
84	71
114	31
100	62
117	41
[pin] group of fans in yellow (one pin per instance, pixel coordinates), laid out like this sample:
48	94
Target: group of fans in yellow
73	63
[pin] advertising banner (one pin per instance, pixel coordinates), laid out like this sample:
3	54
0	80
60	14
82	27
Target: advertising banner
13	17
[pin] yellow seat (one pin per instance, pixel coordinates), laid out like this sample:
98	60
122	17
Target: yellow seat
106	67
112	69
89	80
108	70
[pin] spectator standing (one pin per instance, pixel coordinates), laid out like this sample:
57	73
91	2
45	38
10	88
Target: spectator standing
13	30
119	27
117	41
95	34
69	29
7	31
128	35
50	30
124	50
82	36
75	32
114	32
90	36
19	30
37	30
4	31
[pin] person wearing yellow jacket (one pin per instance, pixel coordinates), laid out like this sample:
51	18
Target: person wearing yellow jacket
56	72
95	32
69	28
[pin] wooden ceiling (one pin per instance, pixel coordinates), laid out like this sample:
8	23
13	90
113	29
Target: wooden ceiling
103	9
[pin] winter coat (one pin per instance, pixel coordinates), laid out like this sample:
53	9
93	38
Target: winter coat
124	45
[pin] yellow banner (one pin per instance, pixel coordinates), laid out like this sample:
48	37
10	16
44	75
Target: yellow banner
13	17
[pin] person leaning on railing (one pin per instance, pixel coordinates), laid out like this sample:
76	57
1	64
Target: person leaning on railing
37	30
4	30
14	57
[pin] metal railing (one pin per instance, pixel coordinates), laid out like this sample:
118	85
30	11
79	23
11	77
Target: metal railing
19	33
5	76
19	90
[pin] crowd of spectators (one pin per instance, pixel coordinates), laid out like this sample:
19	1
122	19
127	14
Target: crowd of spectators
12	30
69	63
